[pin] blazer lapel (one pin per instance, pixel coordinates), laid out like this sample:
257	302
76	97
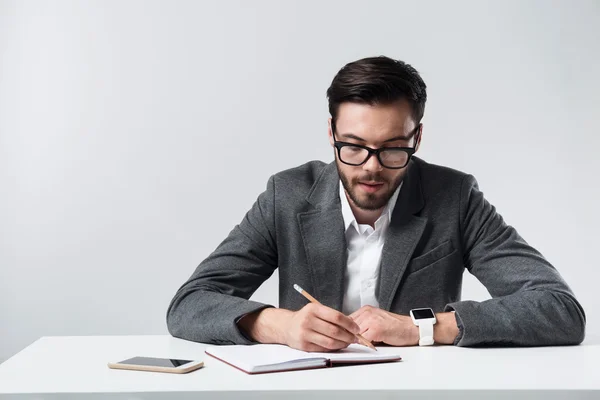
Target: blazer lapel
324	239
403	235
325	242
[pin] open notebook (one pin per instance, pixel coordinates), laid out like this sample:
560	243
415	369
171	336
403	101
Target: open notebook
261	358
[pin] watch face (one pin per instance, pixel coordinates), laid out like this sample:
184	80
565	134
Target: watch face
423	313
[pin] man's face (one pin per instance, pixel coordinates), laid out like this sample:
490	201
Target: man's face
370	185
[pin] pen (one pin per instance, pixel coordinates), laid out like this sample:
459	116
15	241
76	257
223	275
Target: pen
360	338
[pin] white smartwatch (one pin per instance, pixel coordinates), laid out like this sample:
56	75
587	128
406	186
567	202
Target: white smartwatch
424	318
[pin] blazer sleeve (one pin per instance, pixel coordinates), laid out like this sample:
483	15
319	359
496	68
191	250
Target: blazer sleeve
531	304
207	307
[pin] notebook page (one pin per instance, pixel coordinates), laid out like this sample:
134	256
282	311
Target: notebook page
356	352
252	358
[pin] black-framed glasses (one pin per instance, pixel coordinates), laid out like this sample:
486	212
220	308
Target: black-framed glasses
389	157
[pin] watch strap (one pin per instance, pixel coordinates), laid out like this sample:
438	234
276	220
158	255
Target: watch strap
426	333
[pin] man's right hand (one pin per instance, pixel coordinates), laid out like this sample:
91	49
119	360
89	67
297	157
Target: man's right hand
315	327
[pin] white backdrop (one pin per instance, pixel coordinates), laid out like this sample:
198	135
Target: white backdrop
135	134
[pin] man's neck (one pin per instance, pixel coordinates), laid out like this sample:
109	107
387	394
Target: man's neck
365	217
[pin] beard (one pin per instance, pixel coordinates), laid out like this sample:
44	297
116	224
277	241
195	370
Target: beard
369	201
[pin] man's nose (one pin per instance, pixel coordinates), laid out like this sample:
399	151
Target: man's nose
372	164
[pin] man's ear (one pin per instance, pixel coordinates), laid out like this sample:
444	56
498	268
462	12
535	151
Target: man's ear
329	131
419	136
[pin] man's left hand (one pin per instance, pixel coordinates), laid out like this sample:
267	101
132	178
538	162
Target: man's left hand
378	325
382	326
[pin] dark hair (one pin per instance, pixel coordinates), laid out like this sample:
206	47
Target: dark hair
378	80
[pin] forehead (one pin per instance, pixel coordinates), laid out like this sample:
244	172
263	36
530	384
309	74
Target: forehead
375	122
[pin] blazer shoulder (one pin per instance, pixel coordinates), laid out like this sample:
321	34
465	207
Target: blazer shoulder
439	175
443	184
299	180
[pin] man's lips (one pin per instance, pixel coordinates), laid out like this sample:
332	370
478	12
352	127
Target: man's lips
370	187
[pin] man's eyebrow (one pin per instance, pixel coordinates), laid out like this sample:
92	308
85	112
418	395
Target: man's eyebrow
352	136
395	138
400	137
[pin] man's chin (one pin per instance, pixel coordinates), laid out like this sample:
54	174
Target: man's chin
370	203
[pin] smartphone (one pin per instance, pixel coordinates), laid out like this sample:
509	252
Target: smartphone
169	365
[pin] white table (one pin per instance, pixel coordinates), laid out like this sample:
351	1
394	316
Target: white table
75	367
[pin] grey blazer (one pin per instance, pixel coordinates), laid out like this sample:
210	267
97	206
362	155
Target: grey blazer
441	224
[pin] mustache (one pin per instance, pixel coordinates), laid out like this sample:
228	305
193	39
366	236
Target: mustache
370	178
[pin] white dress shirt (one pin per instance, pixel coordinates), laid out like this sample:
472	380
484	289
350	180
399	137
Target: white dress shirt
364	247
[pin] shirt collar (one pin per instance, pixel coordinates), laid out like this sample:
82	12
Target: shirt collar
350	219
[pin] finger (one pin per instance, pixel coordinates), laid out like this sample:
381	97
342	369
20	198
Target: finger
315	348
370	335
337	318
333	331
326	342
356	314
362	323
